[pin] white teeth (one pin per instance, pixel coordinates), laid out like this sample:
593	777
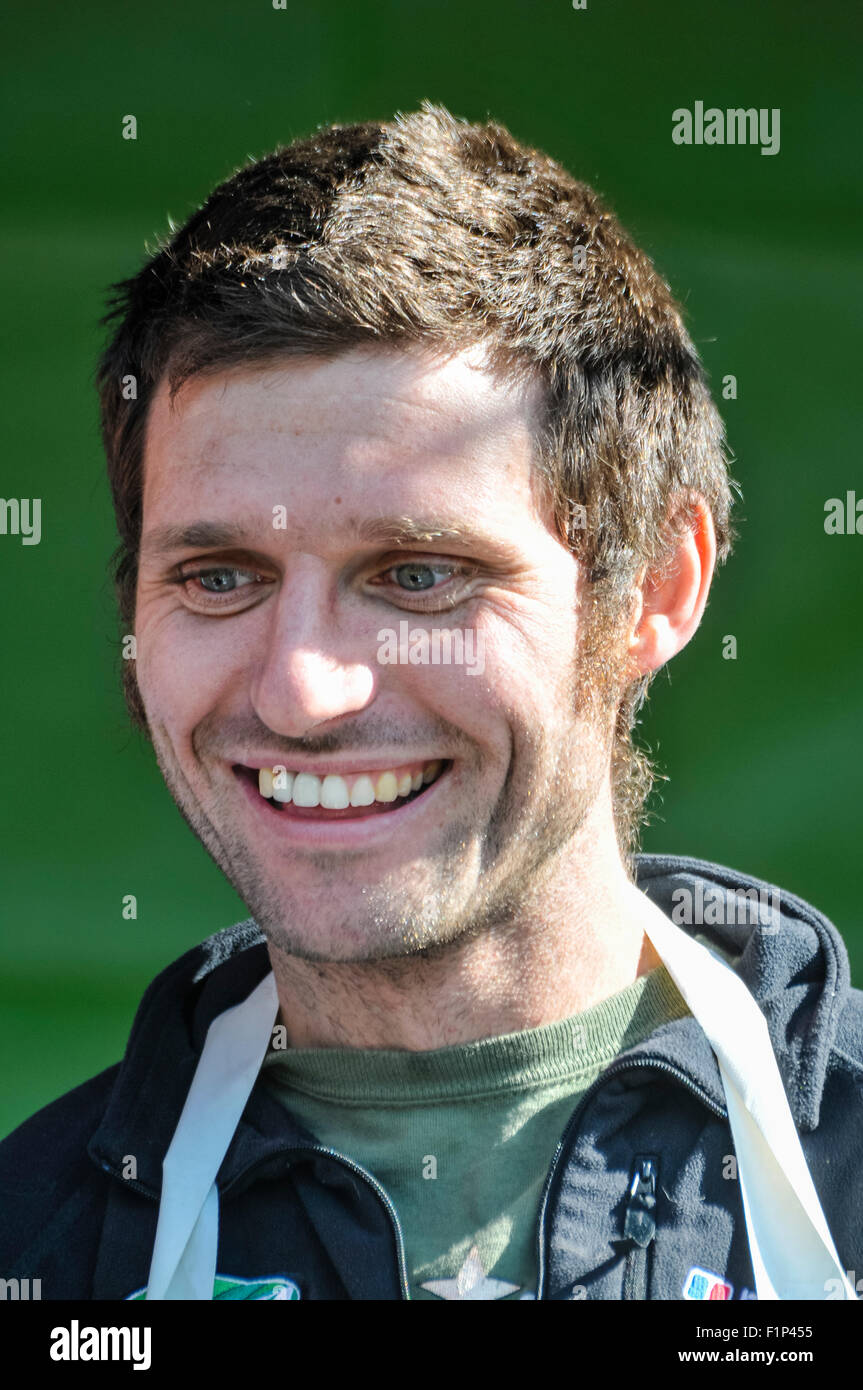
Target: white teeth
283	782
363	792
334	793
386	787
307	789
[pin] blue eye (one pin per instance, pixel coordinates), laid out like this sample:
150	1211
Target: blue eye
415	578
217	581
224	589
220	581
437	584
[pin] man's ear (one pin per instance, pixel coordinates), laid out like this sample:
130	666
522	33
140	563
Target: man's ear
671	599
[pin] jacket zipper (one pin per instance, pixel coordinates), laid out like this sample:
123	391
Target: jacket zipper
616	1068
639	1225
382	1195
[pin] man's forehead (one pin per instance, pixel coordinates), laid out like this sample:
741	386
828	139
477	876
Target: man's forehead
362	393
406	439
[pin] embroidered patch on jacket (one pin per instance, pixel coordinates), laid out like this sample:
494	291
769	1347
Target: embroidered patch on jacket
704	1284
225	1286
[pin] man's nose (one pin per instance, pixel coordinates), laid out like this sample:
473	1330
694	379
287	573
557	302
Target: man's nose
311	672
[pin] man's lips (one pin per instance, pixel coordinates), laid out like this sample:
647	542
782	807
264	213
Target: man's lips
332	796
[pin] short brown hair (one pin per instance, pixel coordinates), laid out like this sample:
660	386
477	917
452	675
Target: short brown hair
430	230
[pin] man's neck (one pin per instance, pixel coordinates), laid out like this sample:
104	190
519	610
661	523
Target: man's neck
572	951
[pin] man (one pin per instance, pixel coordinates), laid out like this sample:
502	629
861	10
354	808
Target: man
418	483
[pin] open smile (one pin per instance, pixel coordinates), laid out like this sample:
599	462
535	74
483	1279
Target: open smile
297	794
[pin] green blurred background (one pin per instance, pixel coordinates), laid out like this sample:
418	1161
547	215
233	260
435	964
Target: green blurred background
763	752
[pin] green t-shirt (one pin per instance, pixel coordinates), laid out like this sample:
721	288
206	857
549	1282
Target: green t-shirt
462	1138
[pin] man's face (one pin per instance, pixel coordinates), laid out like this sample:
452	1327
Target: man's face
307	491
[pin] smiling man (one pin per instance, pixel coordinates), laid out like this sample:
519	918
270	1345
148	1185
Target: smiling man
470	1043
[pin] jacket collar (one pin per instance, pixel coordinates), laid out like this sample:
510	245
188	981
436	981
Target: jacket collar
793	962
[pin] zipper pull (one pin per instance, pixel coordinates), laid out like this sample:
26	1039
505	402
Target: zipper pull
639	1222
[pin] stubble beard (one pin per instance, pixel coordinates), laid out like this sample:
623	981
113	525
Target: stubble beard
476	881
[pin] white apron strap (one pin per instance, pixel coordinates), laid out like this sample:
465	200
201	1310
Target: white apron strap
187	1233
793	1255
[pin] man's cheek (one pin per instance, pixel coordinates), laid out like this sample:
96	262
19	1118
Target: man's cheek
172	661
167	698
151	681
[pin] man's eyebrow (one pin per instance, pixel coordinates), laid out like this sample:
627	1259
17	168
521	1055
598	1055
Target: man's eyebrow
164	540
404	530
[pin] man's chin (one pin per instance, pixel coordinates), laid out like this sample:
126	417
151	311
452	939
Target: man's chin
385	920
